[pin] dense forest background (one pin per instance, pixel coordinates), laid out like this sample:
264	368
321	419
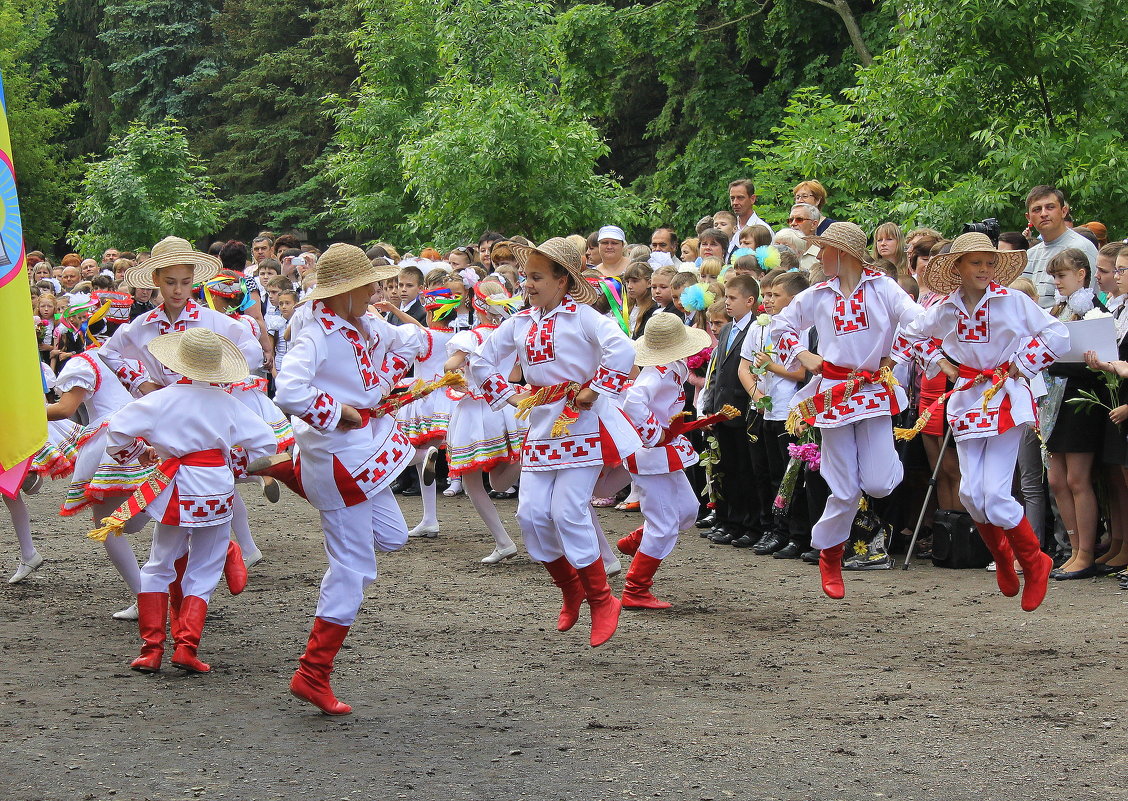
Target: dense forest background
427	121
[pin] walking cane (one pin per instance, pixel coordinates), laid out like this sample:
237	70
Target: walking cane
927	498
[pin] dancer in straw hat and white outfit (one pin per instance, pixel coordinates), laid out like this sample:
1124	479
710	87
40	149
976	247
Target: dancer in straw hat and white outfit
856	312
337	370
668	503
191	431
578	363
993	341
175	268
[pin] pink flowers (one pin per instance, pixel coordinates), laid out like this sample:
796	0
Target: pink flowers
698	359
807	452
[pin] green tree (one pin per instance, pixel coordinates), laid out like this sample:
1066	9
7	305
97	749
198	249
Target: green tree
469	130
44	174
263	121
148	187
977	102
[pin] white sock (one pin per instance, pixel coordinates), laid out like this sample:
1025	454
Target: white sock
427	493
242	527
475	490
118	548
21	522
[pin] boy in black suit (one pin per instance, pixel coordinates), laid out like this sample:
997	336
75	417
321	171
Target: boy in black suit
737	505
410	283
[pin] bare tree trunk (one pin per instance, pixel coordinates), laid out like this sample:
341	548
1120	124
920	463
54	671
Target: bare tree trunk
842	9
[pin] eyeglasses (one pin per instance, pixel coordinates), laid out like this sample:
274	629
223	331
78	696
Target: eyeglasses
804	196
798	219
1119	270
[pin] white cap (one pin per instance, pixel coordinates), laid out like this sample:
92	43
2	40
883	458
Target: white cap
611	232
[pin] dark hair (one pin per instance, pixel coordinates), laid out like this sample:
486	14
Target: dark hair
747	262
714	235
746	285
289	292
886	266
638	270
674	241
922	247
593	239
1071	259
270	264
101	281
286	241
793	282
1041	191
1014	239
233	255
376	252
490	236
214	248
414	272
1085	232
746	183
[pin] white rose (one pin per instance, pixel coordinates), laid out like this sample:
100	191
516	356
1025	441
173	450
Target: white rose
1095	314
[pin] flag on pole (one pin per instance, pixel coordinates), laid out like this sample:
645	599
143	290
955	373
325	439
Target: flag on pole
23	420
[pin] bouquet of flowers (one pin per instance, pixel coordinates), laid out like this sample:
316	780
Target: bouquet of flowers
803	453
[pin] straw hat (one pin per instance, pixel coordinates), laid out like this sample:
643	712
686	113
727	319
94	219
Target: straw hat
844	236
170	252
562	252
202	355
343	268
941	275
667	339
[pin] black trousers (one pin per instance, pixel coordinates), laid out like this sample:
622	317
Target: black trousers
737	507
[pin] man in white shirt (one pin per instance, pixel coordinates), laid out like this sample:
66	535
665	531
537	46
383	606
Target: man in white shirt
742	199
1046	211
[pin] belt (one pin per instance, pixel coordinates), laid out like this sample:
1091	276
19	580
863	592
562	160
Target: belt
971	376
542	396
854	380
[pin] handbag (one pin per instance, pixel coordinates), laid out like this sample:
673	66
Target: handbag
956	542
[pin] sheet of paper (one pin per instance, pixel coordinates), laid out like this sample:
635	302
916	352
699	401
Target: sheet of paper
1098	335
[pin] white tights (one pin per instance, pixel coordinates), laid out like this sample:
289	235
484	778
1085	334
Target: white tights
475	490
21	522
118	548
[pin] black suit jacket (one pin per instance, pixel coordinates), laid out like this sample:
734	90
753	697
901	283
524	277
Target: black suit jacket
415	310
724	381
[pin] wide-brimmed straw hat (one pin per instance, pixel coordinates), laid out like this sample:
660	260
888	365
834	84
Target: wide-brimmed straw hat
343	268
844	236
201	355
666	339
172	251
941	276
560	251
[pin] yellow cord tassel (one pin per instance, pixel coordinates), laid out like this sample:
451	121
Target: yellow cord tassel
996	385
794	423
110	525
907	434
888	378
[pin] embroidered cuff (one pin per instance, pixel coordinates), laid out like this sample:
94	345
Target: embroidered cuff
650	431
496	390
787	348
238	462
130	452
1034	358
132	375
395	367
323	413
608	382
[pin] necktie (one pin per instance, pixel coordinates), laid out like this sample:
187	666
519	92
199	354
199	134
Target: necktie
732	338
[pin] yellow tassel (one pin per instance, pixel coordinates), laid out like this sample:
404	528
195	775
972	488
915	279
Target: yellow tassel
560	429
730	411
110	525
794	421
993	390
888	378
907	434
530	402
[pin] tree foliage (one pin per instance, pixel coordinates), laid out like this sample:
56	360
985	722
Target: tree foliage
148	187
43	172
977	102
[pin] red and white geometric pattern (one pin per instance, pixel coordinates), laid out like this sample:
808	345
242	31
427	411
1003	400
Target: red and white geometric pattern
609	382
865	403
363	363
539	348
565	451
199	510
132	375
787	345
321	413
132	452
850	315
1035	357
394	367
372	473
977	327
495	389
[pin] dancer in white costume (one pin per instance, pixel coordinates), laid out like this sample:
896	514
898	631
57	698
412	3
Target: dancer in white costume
577	362
481	440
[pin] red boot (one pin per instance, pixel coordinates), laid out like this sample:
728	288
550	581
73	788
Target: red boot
629	544
311	679
636	590
565	577
176	596
280	467
1036	565
193	611
1000	549
604	606
234	571
151	608
830	566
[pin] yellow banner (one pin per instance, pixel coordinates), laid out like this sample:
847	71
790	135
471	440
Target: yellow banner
23	420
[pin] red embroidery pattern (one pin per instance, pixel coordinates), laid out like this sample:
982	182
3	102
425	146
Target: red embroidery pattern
877	401
326	317
395	366
539	347
976	328
368	375
976	420
1037	356
494	388
370	474
556	452
129	454
787	346
199	508
321	412
610	380
850	315
130	373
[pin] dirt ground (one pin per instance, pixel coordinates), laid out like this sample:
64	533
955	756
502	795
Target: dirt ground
924	684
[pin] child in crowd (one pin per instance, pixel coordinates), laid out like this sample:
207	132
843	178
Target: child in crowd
410	283
577	363
642	304
710	269
689	250
678	284
855	312
771	386
754	236
738	511
287	300
992	341
660	290
725	222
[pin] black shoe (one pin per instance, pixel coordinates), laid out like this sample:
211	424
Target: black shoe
707	520
745	541
1083	573
411	491
769	543
811	557
789	551
723	537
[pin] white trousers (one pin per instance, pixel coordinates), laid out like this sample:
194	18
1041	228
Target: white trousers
669	507
554	513
352	537
207	550
987	476
856	458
